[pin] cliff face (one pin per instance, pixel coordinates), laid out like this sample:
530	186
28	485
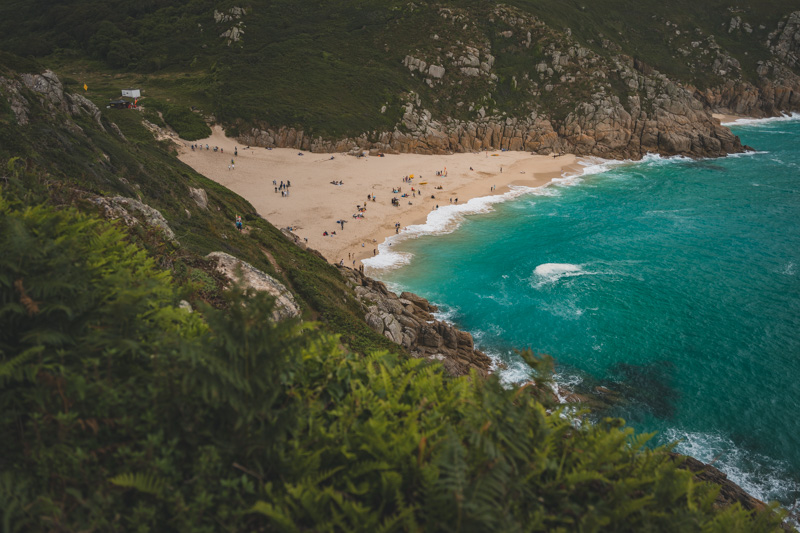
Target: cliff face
678	124
777	88
408	321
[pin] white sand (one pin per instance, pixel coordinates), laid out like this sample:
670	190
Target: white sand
314	204
727	119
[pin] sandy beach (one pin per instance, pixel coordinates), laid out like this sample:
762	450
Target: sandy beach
314	204
727	119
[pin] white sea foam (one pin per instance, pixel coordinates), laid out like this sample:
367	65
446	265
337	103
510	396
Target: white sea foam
441	221
758	475
747	154
550	273
446	313
449	217
551	270
757	121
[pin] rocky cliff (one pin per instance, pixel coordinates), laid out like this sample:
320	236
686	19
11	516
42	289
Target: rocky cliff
776	88
408	321
572	98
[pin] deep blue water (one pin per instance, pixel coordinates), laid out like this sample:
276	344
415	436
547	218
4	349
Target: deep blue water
675	282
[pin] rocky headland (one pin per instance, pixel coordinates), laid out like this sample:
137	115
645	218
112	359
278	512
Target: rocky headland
575	99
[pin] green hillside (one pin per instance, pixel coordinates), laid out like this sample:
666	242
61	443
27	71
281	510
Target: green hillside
69	165
329	67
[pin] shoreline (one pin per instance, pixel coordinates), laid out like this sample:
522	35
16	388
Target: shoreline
744	120
314	205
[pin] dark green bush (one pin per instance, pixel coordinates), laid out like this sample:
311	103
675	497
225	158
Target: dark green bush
188	124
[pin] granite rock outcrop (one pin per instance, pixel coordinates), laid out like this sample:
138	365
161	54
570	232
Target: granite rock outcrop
127	209
408	320
236	270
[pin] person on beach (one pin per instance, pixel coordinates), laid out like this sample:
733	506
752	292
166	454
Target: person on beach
235	151
374	252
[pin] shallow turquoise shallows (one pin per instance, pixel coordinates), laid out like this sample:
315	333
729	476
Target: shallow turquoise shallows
675	282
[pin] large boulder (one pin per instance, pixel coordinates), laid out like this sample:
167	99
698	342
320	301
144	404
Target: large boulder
250	277
199	196
127	209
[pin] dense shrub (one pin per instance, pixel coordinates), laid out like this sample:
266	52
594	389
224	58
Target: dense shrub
188	124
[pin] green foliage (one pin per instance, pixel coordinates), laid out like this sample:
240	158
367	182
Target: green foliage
329	67
146	483
187	124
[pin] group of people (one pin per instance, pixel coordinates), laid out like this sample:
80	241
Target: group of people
283	187
337	182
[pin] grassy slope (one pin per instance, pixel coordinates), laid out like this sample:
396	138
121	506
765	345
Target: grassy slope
73	167
328	67
640	29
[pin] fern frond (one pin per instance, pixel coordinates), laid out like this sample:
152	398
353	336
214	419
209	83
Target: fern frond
147	483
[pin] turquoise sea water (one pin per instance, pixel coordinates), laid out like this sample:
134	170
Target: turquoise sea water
675	282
